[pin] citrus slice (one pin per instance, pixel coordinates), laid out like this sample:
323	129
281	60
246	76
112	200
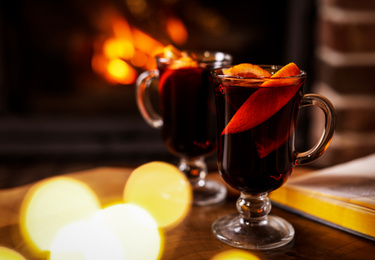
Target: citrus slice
267	144
171	52
254	111
180	59
246	70
284	76
183	62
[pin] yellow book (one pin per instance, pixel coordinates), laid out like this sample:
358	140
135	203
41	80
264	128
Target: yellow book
342	196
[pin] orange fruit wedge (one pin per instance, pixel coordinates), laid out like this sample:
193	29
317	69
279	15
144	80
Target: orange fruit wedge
268	144
247	70
284	76
180	59
265	146
265	102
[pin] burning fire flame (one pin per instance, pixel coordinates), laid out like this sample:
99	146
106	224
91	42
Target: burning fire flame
177	30
117	58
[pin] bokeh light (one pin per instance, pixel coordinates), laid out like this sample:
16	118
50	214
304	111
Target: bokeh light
87	241
10	254
61	217
162	190
139	59
115	48
50	205
235	254
177	30
121	71
146	43
134	228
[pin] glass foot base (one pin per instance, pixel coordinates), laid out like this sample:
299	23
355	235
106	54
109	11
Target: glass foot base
212	192
271	233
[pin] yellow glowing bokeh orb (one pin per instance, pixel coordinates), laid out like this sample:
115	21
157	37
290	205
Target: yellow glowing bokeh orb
235	254
115	48
162	190
87	241
9	254
134	228
121	71
51	204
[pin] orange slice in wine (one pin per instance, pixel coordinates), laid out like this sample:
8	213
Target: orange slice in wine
180	59
246	70
284	76
253	111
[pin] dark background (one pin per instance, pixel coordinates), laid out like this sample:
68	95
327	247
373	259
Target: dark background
58	115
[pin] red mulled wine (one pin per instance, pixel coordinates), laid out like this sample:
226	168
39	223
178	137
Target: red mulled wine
188	111
259	159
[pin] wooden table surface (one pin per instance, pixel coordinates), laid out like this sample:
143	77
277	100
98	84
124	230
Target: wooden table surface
193	239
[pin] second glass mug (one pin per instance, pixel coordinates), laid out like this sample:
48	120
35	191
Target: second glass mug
187	118
256	119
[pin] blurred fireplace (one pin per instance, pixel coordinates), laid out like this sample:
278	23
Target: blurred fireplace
58	100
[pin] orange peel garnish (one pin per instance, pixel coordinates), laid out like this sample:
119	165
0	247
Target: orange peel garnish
180	59
253	112
284	76
246	70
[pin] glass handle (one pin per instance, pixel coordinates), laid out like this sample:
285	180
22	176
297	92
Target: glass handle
330	124
144	103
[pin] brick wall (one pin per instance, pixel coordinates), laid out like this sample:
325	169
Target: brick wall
345	73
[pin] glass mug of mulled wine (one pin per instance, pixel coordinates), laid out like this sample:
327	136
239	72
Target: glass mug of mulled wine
187	117
257	109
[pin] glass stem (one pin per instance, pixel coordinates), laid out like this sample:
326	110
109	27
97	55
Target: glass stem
253	207
195	170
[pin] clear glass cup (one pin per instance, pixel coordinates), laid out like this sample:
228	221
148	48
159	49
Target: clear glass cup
256	152
187	117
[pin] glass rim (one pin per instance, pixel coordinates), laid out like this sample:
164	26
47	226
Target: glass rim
201	56
215	73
